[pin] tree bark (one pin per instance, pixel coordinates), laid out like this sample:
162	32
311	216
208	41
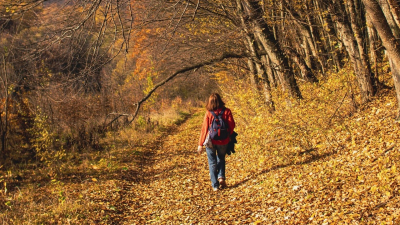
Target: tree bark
329	35
315	39
395	9
272	47
308	39
388	40
252	48
389	18
4	150
373	46
253	73
305	71
366	74
352	48
270	73
333	43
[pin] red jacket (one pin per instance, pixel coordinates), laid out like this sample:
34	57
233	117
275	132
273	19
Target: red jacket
227	117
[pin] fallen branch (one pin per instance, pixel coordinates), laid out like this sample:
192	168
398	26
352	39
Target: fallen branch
383	153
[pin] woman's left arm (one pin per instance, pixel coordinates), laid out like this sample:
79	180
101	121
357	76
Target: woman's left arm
231	121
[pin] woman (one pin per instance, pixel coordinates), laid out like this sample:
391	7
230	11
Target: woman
216	153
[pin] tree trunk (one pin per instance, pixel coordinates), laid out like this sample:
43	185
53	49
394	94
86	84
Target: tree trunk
272	47
261	74
320	58
305	71
388	40
329	34
349	41
366	74
308	39
373	46
270	73
252	48
4	150
389	18
395	9
255	57
253	73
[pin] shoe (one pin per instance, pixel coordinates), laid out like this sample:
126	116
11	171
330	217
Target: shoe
215	189
222	182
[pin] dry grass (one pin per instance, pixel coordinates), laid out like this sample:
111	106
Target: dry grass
320	160
73	192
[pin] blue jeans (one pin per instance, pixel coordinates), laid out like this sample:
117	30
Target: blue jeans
216	163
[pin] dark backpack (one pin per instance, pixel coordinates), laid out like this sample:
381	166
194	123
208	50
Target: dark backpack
218	129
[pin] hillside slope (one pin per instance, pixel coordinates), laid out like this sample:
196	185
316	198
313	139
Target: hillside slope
328	186
162	180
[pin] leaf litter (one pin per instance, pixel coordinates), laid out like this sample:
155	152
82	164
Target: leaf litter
165	181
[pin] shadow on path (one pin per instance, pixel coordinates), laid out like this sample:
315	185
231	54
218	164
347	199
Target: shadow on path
310	160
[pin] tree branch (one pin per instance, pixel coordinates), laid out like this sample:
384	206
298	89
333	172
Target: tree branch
183	70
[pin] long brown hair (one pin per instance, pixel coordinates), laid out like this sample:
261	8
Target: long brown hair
214	102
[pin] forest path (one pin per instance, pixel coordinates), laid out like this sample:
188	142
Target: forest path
175	188
158	178
171	184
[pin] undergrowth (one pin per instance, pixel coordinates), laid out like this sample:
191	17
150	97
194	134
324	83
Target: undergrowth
323	120
323	159
325	140
54	191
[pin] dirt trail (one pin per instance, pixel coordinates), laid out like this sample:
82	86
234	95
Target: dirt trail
175	186
166	182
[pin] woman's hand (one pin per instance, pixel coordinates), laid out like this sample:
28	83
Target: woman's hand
200	149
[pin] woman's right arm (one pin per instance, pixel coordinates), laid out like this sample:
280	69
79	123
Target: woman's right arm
204	130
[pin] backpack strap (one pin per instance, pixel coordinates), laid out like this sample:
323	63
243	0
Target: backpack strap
220	113
213	113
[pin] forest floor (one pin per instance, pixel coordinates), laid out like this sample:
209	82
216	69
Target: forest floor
172	186
162	180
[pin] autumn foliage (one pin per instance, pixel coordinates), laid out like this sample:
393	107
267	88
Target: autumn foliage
101	104
314	161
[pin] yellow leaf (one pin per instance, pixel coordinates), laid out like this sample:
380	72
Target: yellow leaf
94	179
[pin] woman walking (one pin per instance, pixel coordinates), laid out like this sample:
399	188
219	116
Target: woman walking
217	139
